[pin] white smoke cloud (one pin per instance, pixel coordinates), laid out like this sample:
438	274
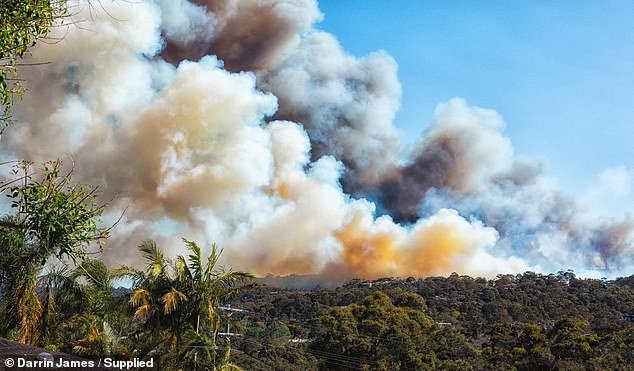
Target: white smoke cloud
485	151
186	23
610	193
346	104
534	218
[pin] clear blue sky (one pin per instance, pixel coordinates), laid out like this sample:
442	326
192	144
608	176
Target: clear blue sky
560	73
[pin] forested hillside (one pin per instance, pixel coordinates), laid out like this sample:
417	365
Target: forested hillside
526	322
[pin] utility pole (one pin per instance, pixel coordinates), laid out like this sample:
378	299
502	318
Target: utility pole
230	311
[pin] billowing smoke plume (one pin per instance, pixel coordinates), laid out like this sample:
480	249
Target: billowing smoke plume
462	149
346	104
248	35
238	123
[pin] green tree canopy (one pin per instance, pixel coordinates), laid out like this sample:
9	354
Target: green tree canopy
22	24
381	334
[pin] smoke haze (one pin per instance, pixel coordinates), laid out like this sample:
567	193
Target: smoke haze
237	122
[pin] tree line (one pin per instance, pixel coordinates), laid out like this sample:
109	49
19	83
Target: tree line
528	321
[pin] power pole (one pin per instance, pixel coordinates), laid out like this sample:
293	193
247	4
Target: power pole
230	311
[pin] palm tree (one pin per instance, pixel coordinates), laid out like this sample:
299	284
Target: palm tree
19	266
25	305
208	285
155	295
178	300
98	286
54	217
81	313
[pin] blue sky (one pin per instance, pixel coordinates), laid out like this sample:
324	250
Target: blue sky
560	73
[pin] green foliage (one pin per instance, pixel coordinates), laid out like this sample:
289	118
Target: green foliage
375	334
54	217
411	300
198	351
572	339
275	333
22	24
514	322
255	331
176	303
523	322
57	214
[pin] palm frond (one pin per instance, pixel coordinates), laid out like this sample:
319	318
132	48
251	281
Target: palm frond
124	271
228	279
181	269
143	311
196	350
195	259
170	300
80	349
96	273
61	277
29	311
229	367
212	314
155	260
49	309
139	297
225	365
212	260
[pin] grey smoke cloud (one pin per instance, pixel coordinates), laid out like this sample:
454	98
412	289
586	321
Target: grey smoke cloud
346	104
248	35
461	150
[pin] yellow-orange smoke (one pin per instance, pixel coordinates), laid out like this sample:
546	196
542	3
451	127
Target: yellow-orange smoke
437	245
433	250
367	253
